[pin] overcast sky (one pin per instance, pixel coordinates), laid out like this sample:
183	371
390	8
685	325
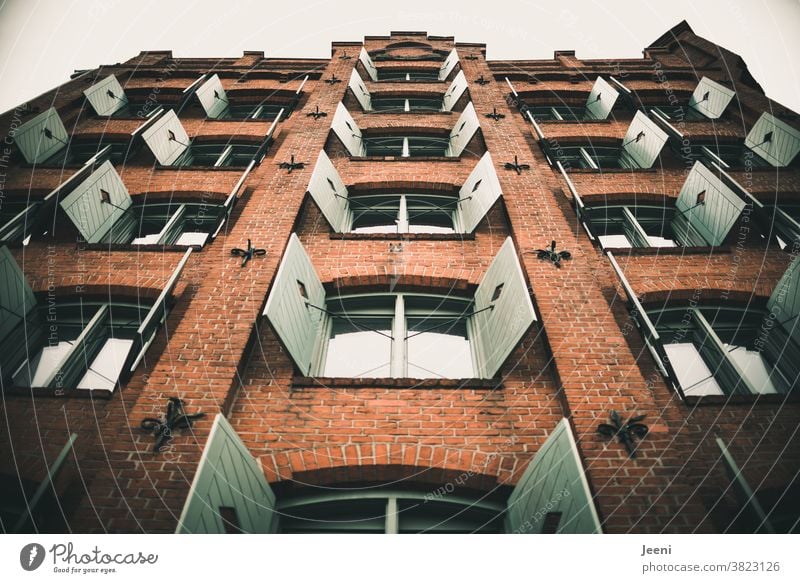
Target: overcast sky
43	41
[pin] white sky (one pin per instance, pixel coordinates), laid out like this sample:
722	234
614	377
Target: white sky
43	41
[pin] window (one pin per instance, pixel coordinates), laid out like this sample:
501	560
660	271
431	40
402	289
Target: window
394	104
79	152
408	74
166	224
403	213
406	147
397	335
16	219
715	350
220	154
726	155
590	156
75	344
553	113
82	344
389	512
624	226
265	111
784	221
679	113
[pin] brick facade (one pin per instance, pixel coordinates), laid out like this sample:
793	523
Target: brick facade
580	360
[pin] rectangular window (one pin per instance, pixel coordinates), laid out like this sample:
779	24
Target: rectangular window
408	74
404	213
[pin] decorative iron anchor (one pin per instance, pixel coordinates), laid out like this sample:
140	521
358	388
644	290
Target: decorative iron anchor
333	80
176	418
552	255
494	115
471	57
249	253
292	165
624	432
481	81
345	57
316	114
516	166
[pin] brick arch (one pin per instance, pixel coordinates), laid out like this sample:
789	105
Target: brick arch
408	279
178	195
368	462
661	298
616	198
397	185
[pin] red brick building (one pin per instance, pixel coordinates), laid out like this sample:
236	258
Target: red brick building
400	358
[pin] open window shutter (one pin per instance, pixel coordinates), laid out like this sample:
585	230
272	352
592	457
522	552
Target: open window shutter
601	100
646	326
784	302
750	506
360	91
32	137
365	59
449	64
644	140
712	219
16	296
462	132
86	208
633	231
507	311
213	97
106	96
478	194
554	482
710	98
455	91
166	138
296	285
344	126
774	140
330	193
155	317
228	476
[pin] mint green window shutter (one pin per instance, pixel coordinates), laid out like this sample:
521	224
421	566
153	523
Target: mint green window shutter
449	64
166	138
360	91
644	140
462	132
41	137
297	323
16	296
330	193
454	92
706	208
710	98
554	482
601	100
97	203
213	97
106	96
345	128
774	140
369	66
478	194
155	317
503	311
228	476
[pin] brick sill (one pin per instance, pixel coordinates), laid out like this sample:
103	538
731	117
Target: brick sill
201	168
574	121
721	400
641	251
404	82
390	383
404	236
47	393
417	113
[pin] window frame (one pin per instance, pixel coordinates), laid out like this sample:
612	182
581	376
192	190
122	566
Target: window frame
404	223
399	315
